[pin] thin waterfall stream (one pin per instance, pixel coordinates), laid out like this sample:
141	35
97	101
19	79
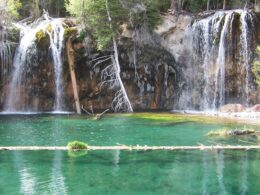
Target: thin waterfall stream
222	44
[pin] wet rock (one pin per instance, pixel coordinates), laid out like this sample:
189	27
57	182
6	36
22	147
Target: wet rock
232	108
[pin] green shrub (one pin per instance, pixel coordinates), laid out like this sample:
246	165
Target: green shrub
256	67
77	145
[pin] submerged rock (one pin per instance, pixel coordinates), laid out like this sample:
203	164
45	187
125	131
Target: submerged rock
231	132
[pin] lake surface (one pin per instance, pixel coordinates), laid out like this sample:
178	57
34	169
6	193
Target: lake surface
125	172
128	129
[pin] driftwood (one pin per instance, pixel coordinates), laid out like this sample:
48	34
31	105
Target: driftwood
98	116
70	54
143	148
94	116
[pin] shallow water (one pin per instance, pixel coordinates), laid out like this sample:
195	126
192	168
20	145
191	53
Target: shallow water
125	172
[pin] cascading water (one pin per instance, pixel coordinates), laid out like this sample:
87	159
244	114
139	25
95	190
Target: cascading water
5	55
221	63
26	46
56	41
22	91
222	45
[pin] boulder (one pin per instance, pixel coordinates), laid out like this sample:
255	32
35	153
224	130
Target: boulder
255	108
232	108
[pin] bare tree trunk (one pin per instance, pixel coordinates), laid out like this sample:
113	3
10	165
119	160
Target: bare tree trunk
70	54
208	5
246	4
173	5
35	10
117	65
224	4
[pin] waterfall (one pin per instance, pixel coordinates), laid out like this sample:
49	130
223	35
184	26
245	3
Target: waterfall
5	55
221	63
26	46
56	41
21	89
221	49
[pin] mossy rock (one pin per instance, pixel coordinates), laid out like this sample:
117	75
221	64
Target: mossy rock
70	31
77	145
42	39
14	34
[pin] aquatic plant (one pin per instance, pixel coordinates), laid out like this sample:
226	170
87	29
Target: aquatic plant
77	145
230	132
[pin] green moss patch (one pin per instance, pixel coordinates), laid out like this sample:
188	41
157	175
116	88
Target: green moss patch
70	31
77	145
230	132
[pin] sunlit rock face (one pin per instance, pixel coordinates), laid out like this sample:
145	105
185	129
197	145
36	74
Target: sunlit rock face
215	53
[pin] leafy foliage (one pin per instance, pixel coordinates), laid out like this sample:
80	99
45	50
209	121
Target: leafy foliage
256	67
94	15
9	9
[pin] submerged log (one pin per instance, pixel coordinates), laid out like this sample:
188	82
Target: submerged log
124	147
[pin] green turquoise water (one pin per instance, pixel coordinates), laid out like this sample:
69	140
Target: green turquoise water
125	172
142	129
154	172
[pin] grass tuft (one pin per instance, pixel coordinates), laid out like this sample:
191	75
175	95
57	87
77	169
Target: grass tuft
77	145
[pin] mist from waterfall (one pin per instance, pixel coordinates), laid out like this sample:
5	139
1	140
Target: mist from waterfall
21	87
220	43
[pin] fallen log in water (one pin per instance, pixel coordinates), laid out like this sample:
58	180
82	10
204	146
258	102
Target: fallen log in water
143	148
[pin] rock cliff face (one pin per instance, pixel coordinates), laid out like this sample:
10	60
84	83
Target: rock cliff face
176	67
214	53
149	74
148	71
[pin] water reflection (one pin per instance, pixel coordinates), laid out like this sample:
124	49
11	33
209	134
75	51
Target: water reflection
27	179
219	171
57	184
244	172
205	179
125	172
116	160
